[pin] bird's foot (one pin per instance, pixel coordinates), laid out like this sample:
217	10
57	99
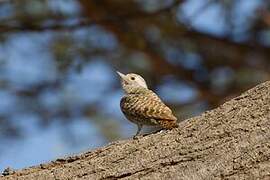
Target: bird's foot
136	137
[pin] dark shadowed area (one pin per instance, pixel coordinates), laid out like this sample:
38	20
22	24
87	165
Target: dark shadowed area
59	91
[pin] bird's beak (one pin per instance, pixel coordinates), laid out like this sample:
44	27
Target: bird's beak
121	75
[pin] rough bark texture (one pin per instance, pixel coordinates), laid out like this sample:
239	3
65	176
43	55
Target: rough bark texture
230	142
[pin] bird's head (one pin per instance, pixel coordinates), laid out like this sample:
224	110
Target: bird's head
132	81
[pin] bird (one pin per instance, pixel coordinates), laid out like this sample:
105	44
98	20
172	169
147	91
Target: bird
142	106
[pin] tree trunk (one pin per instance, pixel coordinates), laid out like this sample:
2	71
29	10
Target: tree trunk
230	142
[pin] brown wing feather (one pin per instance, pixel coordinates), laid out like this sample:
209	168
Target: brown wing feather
146	106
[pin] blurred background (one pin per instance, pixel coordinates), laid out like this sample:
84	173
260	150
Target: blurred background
59	93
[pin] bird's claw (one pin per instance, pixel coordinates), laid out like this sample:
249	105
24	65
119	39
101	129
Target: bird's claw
136	137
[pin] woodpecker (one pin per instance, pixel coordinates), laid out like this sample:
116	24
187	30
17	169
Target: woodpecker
142	106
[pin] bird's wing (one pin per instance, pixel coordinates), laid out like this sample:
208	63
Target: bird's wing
150	107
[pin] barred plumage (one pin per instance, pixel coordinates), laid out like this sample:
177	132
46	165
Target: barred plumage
142	106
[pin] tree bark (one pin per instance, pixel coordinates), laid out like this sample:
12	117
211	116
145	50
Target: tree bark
229	142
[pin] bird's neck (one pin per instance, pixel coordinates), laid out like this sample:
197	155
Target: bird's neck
136	90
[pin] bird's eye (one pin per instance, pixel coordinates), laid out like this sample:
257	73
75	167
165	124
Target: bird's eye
132	78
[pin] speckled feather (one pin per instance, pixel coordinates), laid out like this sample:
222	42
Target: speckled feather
143	106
